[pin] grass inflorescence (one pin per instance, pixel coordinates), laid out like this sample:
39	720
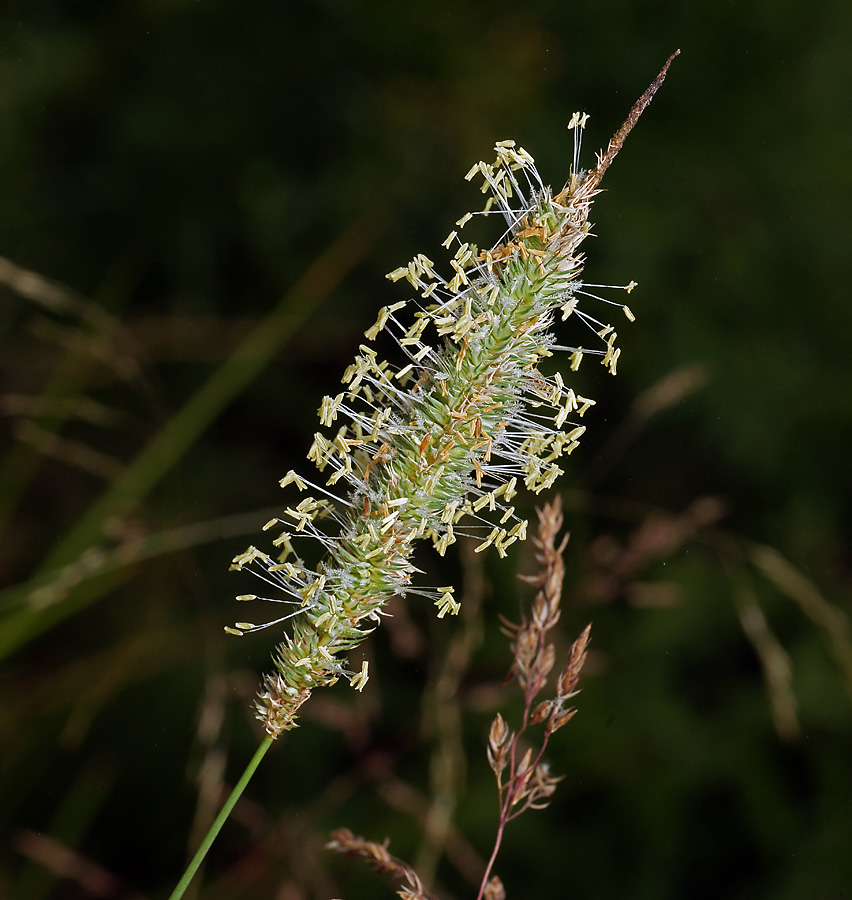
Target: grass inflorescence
439	446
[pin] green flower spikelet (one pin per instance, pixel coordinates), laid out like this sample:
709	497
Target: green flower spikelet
439	447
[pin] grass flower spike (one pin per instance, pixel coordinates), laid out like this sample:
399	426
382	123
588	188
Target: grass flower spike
438	447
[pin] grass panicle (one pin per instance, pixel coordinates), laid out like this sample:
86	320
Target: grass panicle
524	780
439	446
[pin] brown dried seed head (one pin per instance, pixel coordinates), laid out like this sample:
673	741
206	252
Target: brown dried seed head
499	731
522	779
415	890
578	648
494	890
560	719
566	685
525	649
340	839
545	612
543	787
378	856
543	778
541	712
498	742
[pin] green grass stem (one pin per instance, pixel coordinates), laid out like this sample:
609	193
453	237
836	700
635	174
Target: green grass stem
219	821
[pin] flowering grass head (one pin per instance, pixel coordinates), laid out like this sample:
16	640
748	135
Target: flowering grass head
439	446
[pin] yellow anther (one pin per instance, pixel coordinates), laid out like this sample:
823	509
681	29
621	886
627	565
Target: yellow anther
360	679
291	476
446	603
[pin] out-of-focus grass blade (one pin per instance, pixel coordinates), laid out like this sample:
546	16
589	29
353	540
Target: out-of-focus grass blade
184	428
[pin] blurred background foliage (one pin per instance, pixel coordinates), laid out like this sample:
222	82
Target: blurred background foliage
198	203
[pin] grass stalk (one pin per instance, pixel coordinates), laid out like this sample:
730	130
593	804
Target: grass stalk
219	821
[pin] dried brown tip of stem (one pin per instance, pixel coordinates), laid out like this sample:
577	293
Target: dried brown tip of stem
617	140
377	856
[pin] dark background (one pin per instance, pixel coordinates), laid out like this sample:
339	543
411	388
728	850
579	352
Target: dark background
170	170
